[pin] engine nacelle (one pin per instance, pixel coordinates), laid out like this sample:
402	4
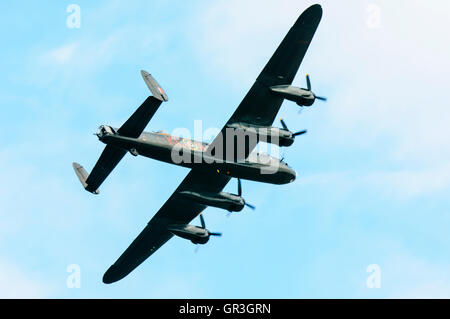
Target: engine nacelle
268	134
195	234
230	202
300	96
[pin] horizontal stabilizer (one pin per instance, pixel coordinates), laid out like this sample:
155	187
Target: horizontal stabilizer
82	175
154	87
137	122
110	157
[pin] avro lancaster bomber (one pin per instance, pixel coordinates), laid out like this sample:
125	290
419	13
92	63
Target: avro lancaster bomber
230	155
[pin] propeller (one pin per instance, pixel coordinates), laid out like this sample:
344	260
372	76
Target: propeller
240	194
308	86
293	134
202	221
215	234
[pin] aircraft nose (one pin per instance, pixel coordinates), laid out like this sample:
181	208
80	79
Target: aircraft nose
293	176
288	175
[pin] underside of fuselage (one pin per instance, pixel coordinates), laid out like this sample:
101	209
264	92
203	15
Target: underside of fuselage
193	154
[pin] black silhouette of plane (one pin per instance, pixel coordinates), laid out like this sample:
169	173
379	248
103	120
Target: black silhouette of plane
211	165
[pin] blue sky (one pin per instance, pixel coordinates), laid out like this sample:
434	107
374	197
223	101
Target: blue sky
374	169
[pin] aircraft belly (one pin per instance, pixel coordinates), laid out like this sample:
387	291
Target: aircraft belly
165	152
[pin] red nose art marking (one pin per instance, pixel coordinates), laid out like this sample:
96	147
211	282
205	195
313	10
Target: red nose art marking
161	90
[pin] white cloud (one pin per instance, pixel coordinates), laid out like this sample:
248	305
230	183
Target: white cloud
400	184
61	55
14	283
408	276
237	37
406	184
83	54
80	58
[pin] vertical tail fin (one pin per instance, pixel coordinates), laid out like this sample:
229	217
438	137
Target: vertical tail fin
154	87
82	175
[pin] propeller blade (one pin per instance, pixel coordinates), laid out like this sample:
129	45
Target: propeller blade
239	187
321	98
197	246
215	234
202	220
284	125
250	206
308	82
299	133
240	194
308	85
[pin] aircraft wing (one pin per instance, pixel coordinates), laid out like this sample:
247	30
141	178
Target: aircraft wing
109	159
258	107
176	210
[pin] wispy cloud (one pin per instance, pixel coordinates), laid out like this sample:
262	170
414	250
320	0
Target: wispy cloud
62	55
72	60
407	184
409	276
394	184
15	283
386	113
386	84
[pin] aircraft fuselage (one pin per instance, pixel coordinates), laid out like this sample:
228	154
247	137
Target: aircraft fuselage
192	154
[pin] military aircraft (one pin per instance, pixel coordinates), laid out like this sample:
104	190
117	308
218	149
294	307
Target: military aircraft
211	165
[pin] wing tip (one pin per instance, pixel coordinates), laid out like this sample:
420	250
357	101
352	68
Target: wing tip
315	7
311	16
107	279
111	276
